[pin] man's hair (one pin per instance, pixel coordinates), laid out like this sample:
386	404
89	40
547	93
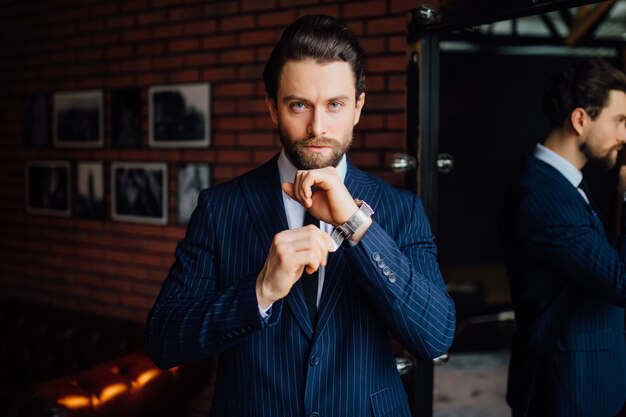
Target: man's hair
318	37
585	85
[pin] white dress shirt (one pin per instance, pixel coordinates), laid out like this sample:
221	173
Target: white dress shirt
295	212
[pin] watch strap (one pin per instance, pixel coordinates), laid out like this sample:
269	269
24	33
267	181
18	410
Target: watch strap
346	230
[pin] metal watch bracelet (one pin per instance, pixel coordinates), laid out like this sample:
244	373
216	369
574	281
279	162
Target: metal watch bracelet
346	230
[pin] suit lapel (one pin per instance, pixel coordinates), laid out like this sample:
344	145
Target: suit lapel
297	303
264	199
263	196
543	168
338	270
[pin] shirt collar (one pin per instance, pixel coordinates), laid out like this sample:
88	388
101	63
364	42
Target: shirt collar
569	171
287	170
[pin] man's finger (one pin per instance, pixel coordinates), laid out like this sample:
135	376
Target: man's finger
288	188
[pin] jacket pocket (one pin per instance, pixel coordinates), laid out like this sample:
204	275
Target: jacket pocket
593	340
385	404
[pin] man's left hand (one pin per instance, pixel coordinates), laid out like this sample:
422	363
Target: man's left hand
323	194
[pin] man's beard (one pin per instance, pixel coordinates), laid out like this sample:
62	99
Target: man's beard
606	161
295	150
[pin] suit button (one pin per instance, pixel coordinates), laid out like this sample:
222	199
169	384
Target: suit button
314	414
386	271
314	360
381	264
392	278
375	256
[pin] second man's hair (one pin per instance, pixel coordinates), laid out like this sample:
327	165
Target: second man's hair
585	85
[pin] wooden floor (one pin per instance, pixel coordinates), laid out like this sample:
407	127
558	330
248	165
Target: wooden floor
472	384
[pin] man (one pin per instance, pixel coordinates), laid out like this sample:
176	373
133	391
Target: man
302	320
568	283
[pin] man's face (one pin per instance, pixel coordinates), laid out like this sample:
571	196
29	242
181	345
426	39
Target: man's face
606	134
315	110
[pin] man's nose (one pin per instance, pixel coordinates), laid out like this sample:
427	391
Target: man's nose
621	133
317	124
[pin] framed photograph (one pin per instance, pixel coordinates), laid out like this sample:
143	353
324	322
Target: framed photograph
36	117
139	192
77	119
179	115
90	194
48	187
192	178
126	118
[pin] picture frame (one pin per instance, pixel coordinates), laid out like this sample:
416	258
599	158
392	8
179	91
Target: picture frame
139	192
89	202
48	187
192	178
78	119
126	118
179	116
36	120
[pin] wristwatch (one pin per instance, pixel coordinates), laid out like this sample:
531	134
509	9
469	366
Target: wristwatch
346	230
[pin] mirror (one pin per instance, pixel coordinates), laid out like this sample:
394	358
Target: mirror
475	94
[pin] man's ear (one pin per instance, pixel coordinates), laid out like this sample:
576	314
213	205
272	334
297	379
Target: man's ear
359	106
271	107
579	119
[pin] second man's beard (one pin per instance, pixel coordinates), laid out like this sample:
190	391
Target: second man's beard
594	157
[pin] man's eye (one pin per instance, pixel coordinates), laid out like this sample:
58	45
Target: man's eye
297	105
335	105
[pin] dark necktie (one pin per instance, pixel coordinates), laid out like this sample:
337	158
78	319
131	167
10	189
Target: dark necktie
585	187
309	281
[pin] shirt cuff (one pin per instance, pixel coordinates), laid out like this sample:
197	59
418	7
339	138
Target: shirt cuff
265	312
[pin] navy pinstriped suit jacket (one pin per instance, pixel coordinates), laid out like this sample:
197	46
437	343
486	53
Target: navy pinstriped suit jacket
568	286
388	283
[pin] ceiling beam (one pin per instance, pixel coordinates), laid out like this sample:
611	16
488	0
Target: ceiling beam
461	14
550	25
566	16
587	20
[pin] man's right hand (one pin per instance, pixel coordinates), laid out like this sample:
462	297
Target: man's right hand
291	252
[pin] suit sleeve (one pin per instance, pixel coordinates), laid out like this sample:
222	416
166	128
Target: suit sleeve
194	316
558	229
403	280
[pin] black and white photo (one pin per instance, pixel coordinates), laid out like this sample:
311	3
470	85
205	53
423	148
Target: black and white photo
192	178
90	190
126	118
139	192
77	119
36	116
179	115
47	187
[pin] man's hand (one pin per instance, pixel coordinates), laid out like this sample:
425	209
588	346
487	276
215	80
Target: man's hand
291	252
331	202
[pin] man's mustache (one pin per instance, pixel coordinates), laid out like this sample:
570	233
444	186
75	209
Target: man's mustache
317	141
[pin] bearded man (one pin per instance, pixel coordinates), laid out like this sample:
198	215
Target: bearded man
297	272
568	282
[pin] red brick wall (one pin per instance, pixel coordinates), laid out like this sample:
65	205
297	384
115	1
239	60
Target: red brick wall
116	268
113	267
